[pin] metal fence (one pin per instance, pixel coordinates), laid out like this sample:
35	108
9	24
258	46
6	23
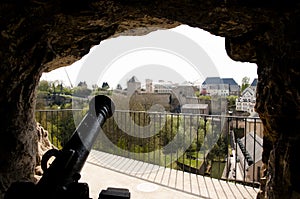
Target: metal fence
223	147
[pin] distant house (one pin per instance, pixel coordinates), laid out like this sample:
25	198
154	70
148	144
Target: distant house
246	101
234	88
249	151
254	84
220	86
149	86
163	87
254	123
183	93
133	85
195	108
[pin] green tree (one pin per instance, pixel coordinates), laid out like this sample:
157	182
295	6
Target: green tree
206	97
105	86
231	102
67	90
44	86
82	90
95	87
56	87
245	83
43	91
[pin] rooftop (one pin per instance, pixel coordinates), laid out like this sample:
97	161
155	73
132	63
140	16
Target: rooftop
254	145
218	80
229	81
254	83
133	79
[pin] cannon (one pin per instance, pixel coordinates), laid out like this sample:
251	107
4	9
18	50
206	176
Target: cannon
60	179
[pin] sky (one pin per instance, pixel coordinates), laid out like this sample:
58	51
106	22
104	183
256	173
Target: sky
178	55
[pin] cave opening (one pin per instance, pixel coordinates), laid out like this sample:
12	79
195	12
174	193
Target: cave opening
201	55
39	37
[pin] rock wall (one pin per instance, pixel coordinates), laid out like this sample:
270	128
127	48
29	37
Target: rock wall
44	145
39	36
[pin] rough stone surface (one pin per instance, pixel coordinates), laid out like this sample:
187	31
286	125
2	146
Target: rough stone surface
38	36
44	145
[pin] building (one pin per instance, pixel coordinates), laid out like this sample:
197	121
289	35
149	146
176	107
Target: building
195	108
133	86
234	88
249	151
254	84
220	86
163	87
246	101
254	124
184	93
149	86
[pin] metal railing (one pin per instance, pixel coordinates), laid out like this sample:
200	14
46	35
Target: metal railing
222	147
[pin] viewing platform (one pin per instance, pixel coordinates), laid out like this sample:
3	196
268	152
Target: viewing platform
149	181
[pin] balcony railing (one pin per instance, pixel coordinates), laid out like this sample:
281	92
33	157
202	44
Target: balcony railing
223	147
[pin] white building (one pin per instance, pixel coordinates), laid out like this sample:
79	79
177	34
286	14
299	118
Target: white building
220	86
163	87
149	86
247	100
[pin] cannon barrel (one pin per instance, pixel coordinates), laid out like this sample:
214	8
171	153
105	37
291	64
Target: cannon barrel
68	162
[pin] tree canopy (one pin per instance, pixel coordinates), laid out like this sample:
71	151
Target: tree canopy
245	83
